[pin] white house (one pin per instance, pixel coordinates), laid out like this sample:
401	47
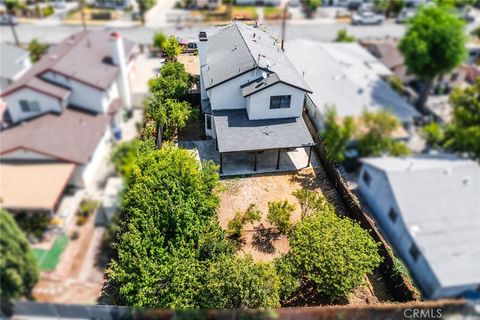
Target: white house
64	110
14	63
252	96
346	76
257	2
89	70
428	207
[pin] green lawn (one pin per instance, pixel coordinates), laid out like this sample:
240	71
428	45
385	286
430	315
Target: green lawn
48	259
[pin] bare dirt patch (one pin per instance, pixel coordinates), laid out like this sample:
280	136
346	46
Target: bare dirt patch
264	243
261	240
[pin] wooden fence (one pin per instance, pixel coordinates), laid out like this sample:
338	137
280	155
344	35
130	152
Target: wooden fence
398	284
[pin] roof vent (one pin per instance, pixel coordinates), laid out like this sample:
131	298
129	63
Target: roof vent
447	171
54	57
467	180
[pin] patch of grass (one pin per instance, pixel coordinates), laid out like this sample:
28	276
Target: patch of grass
244	12
48	259
273	13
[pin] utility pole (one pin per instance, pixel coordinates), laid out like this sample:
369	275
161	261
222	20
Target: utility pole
14	31
82	14
12	25
284	25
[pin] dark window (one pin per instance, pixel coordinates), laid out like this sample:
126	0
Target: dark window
29	106
209	122
454	77
392	214
280	102
414	252
366	178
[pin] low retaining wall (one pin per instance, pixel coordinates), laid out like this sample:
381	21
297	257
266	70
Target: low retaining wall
399	285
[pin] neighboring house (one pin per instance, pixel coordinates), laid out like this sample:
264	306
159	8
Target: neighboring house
210	4
386	50
428	207
252	95
13	64
89	70
114	4
257	2
346	76
40	157
61	117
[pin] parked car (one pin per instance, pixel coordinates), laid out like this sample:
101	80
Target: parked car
367	18
405	15
191	47
6	20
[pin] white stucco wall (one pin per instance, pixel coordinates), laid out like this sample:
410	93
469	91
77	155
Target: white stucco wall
258	106
24	154
84	175
47	103
86	96
228	95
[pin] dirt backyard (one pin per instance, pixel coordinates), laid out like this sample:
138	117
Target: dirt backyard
262	242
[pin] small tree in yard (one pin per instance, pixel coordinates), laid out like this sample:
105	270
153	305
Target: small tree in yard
433	134
337	134
377	136
433	45
171	49
171	115
36	50
312	202
123	157
463	133
159	39
311	7
235	226
343	36
279	213
18	266
334	253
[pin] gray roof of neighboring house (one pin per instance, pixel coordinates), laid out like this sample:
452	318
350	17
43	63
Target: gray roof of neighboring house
235	132
439	201
346	75
70	136
84	56
238	48
10	56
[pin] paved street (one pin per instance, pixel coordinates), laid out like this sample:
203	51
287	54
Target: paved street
295	29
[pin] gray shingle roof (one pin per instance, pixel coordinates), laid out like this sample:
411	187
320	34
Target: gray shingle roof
342	77
439	202
235	132
10	55
84	56
238	48
70	136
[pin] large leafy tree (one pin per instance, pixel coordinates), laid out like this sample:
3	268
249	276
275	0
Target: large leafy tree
463	134
332	252
433	45
18	266
233	282
171	114
170	251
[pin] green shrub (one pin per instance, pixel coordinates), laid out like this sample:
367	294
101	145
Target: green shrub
279	213
235	226
311	202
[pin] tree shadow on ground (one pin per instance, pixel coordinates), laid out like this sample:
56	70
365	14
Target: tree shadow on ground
306	179
263	238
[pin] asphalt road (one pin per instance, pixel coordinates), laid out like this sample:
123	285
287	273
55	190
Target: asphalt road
316	30
295	29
